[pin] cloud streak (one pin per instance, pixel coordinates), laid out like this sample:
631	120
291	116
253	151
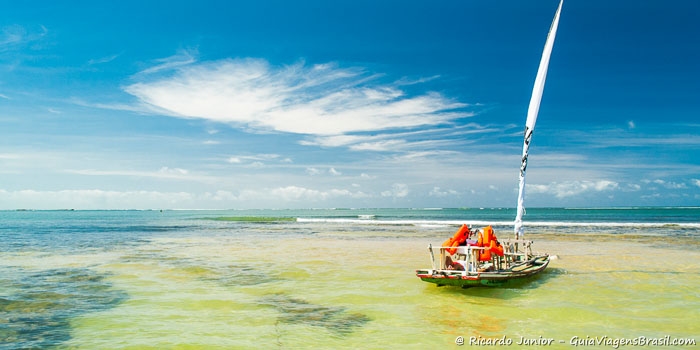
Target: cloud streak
572	188
310	100
86	199
162	173
15	35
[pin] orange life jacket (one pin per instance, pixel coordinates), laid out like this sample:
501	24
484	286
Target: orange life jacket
487	239
459	237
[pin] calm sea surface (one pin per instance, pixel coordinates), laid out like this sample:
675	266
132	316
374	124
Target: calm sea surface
342	278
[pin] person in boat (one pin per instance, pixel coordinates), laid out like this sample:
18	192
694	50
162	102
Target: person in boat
461	238
453	265
469	240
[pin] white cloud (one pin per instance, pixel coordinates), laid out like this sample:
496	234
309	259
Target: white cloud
438	192
387	145
312	171
422	155
572	188
334	140
399	141
106	199
182	58
397	191
316	100
103	60
315	171
14	35
633	187
172	171
9	156
676	185
91	199
257	159
668	184
696	182
221	196
379	143
297	193
162	173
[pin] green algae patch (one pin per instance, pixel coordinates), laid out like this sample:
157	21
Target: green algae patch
39	306
298	311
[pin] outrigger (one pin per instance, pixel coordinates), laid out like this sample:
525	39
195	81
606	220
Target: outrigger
486	261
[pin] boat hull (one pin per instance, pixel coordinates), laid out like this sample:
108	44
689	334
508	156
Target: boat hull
488	279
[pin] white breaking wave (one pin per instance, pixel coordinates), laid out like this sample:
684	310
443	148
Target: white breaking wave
479	223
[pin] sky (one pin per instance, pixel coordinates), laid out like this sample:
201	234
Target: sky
346	104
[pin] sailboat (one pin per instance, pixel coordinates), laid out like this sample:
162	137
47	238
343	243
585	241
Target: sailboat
474	257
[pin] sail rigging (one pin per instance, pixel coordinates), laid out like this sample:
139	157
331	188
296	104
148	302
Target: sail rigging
532	111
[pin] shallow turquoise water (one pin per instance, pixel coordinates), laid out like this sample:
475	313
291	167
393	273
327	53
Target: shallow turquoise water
182	280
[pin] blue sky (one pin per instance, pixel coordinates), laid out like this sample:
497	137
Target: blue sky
321	104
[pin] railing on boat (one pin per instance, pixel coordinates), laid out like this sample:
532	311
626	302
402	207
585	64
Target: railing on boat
466	258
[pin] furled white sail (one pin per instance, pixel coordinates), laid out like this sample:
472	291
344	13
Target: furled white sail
532	117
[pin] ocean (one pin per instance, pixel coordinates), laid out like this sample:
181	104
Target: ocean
340	278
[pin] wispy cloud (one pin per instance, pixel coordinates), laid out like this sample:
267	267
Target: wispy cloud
103	60
316	171
10	156
162	173
386	145
299	193
257	159
572	188
112	106
90	199
181	58
313	171
439	192
666	184
635	136
20	44
398	190
15	35
367	176
401	141
310	100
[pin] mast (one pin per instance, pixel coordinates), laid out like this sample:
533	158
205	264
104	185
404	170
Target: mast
532	111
